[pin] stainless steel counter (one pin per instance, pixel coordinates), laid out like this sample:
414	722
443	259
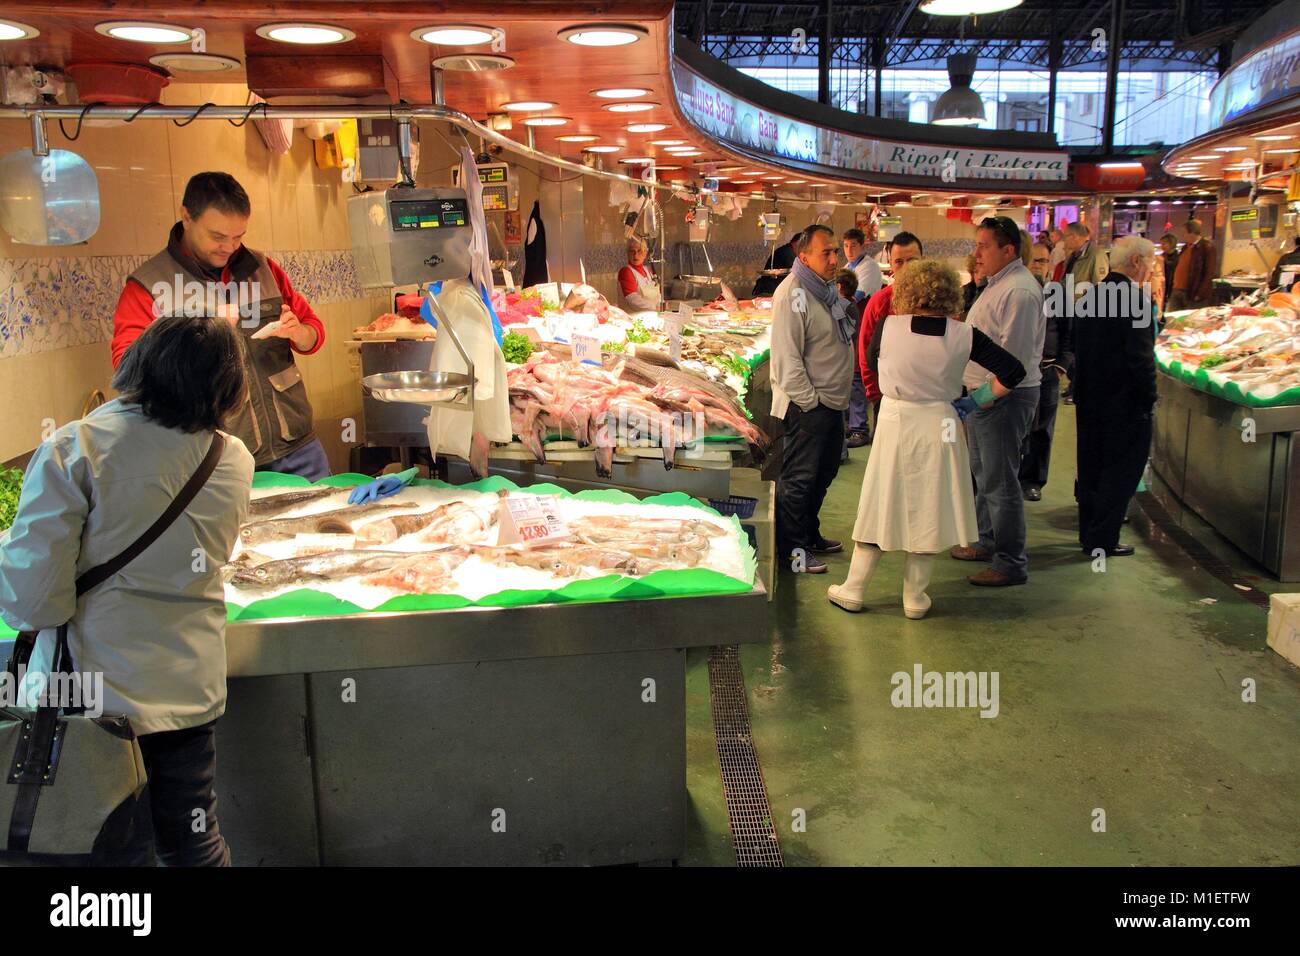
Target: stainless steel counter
1248	490
546	734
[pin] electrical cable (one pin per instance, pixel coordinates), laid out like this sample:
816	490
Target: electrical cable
81	118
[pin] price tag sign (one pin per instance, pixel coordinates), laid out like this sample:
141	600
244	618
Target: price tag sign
673	325
531	520
508	279
586	348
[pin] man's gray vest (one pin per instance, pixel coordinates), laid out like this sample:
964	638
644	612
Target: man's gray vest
276	420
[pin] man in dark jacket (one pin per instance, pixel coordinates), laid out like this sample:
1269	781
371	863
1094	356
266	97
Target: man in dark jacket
1058	357
782	257
1197	268
1289	261
1114	393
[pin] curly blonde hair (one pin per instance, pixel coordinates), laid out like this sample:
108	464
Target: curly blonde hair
927	285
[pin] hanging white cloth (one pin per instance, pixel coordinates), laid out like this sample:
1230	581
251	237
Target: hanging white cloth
451	428
480	260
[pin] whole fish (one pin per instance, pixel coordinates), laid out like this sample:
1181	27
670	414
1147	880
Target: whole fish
275	504
339	521
315	568
426	573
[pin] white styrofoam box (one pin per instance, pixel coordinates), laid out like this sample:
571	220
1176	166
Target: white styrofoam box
1284	626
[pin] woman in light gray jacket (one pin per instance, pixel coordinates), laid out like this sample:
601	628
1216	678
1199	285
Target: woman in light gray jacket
155	630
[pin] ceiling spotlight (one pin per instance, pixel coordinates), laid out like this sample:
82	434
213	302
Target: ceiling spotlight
474	62
647	127
667	142
774	178
602	149
637	161
1281	152
657	166
141	31
686	152
305	33
620	93
630	107
603	34
1229	149
547	121
1273	139
194	62
527	106
577	138
455	35
795	182
742	182
966	8
1205	156
13	30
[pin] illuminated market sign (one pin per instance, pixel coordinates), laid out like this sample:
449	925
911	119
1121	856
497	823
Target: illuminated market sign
1266	76
737	121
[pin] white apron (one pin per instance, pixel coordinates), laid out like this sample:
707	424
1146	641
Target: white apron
917	494
450	427
646	297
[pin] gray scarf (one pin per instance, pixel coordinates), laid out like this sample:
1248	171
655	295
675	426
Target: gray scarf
828	294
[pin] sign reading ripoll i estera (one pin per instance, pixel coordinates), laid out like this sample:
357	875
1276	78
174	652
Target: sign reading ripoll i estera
729	118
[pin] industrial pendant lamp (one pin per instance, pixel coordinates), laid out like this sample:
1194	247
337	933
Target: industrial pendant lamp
959	105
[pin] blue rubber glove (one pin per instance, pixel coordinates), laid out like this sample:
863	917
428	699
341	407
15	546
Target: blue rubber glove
964	406
382	487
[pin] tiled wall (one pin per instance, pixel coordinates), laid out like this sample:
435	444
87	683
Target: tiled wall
56	303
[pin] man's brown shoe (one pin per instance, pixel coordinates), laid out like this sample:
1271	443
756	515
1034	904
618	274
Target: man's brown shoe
962	553
990	578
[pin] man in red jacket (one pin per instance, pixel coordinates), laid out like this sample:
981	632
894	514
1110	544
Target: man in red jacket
207	271
902	249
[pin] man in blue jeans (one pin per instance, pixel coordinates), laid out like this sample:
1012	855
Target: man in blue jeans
1010	312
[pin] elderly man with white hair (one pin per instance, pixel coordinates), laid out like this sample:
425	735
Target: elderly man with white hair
637	281
1114	393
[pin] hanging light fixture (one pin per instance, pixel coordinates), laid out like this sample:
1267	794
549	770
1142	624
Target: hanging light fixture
959	105
967	8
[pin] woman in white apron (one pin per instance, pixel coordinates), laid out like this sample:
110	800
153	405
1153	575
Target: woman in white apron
917	495
637	281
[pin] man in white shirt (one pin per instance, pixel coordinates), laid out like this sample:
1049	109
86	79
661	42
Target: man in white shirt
812	373
861	264
1010	312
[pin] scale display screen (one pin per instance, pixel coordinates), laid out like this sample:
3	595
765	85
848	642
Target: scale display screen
495	173
412	214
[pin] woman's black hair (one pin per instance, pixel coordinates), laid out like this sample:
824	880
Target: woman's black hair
184	372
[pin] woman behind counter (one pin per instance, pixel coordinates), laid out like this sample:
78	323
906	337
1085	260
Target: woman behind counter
917	495
155	629
637	281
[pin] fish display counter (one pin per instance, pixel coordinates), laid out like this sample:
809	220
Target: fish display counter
1227	425
407	686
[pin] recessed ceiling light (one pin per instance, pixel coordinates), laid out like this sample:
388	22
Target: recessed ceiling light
1229	149
686	152
755	172
602	149
647	127
774	178
630	107
742	182
1278	138
620	93
1205	156
717	177
458	34
603	34
142	31
547	121
1131	202
194	62
637	161
728	169
474	62
657	166
1177	202
578	138
305	33
1282	152
527	106
684	147
667	142
13	30
795	182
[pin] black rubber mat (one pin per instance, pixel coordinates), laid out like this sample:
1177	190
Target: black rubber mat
752	833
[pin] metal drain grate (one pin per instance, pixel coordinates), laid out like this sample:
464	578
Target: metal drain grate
752	832
1163	523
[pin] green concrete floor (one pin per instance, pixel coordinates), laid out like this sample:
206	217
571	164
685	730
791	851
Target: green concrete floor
1118	690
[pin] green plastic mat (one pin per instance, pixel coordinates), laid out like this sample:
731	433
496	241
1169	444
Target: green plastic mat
675	583
1200	380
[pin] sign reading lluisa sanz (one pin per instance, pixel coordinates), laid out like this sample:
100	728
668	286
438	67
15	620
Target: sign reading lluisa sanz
729	118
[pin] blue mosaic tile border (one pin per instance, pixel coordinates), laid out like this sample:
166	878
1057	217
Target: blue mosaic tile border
48	303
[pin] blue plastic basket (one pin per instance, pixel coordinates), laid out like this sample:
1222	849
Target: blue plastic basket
738	505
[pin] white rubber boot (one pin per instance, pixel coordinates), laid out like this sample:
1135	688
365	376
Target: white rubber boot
917	569
849	594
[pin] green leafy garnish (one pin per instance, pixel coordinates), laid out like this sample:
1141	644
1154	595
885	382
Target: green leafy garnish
731	363
614	347
1210	361
529	294
638	333
11	484
516	348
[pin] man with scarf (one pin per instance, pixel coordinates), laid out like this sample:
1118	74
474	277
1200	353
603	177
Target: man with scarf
812	373
207	270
